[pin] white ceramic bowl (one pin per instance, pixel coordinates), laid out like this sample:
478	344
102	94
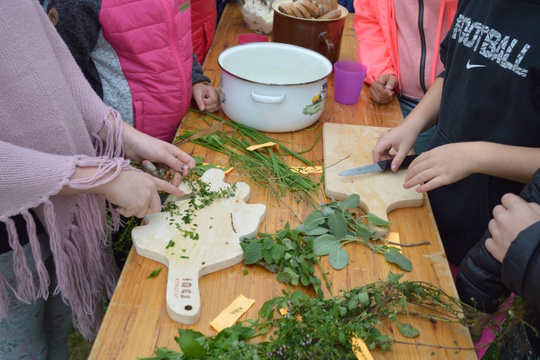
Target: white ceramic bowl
258	15
273	87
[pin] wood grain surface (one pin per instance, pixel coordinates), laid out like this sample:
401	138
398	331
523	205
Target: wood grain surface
137	322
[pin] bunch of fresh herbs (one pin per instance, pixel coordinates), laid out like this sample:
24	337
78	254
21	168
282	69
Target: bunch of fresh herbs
266	166
314	328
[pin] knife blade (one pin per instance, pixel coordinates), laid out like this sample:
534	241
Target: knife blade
377	167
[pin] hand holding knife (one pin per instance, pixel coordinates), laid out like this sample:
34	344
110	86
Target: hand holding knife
378	166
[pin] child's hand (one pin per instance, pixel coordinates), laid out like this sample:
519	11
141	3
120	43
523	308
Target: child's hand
509	219
206	97
443	165
139	146
382	88
401	139
136	193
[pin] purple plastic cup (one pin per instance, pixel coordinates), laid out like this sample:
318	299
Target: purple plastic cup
250	37
348	80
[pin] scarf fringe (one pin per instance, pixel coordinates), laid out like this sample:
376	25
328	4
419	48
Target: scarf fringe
26	290
43	274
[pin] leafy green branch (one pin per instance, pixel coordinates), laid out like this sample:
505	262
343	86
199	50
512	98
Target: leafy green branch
324	329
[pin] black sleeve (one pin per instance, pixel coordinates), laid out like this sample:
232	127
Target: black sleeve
521	265
79	27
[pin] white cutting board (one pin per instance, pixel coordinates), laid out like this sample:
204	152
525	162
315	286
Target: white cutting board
220	227
347	146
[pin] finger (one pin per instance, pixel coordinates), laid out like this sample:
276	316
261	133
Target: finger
392	82
535	207
167	187
498	210
509	200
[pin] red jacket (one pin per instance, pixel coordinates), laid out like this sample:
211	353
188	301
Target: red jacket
203	26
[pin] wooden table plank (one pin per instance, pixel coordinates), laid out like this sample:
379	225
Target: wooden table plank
136	321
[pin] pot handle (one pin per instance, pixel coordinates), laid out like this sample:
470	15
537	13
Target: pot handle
267	99
330	49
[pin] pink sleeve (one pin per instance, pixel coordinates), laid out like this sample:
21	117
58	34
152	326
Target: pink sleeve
373	49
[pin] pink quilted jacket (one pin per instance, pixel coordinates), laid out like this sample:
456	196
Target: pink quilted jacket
153	41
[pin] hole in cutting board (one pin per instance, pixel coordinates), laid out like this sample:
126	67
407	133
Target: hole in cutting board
188	307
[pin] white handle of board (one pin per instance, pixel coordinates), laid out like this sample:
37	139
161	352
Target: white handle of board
183	297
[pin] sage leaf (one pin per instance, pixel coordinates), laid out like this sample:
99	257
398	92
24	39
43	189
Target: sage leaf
375	220
324	243
253	253
313	220
351	202
407	330
301	228
337	224
338	258
317	231
326	210
364	233
395	257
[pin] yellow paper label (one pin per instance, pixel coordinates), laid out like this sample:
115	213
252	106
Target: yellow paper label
393	237
232	313
306	170
363	353
268	144
225	170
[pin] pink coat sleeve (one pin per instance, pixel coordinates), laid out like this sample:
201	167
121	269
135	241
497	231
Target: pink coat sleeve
373	28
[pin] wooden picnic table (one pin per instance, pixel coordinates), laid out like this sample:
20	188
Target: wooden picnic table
136	321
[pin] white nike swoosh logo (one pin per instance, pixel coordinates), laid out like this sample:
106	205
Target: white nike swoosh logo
470	66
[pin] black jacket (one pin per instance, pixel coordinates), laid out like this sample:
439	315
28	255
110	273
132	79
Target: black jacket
485	280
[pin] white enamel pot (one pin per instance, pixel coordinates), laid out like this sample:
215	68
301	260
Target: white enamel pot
273	87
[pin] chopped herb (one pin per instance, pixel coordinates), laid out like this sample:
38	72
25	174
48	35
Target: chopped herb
245	272
184	257
170	244
154	273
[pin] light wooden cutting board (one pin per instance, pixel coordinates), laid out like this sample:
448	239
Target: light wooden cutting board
347	146
220	227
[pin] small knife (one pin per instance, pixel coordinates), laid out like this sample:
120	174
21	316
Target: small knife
377	167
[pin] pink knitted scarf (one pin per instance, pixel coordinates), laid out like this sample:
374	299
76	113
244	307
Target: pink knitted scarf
52	121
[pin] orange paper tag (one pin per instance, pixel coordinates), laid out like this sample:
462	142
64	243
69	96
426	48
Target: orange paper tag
393	237
306	170
232	313
363	353
268	144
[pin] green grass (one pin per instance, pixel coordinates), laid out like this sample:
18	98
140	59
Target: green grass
79	347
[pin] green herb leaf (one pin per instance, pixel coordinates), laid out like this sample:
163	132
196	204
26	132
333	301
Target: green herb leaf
407	330
375	220
154	273
313	220
326	210
364	233
253	253
351	202
363	297
317	231
338	258
394	256
323	244
189	344
278	251
337	225
170	244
